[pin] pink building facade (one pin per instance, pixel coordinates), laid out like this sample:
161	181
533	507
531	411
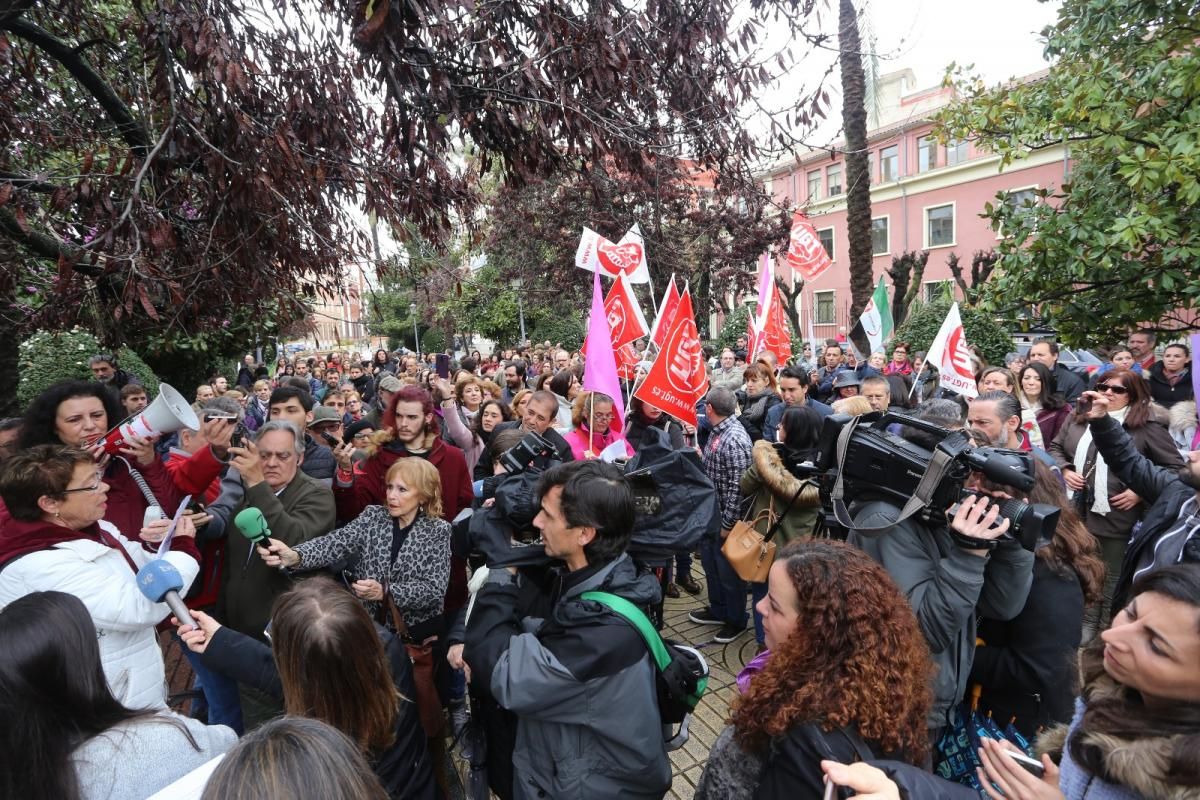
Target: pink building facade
925	195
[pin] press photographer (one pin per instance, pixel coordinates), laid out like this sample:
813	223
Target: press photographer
950	554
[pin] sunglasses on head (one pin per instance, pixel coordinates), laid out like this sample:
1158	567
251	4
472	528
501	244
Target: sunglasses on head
1109	387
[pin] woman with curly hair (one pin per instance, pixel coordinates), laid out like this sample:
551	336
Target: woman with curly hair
846	677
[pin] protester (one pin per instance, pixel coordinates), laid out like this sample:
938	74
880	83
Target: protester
778	495
795	390
1141	345
592	433
105	371
757	399
66	735
846	384
583	687
10	435
1171	378
565	386
294	405
726	458
57	539
840	640
726	373
473	437
133	399
833	365
328	661
258	409
78	414
899	365
1110	509
643	416
520	400
998	379
1025	665
1045	351
539	417
1041	402
877	392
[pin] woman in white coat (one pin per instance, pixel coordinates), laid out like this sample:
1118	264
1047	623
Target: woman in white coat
58	540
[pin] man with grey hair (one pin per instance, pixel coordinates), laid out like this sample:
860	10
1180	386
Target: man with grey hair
726	458
265	475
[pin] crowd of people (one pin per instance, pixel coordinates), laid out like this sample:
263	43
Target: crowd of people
346	626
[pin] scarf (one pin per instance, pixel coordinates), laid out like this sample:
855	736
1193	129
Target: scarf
1030	425
1100	478
756	665
22	537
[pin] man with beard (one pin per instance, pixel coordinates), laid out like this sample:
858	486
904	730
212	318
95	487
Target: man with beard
1170	528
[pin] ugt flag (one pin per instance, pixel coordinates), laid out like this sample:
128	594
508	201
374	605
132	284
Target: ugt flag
950	355
677	378
628	256
876	320
806	254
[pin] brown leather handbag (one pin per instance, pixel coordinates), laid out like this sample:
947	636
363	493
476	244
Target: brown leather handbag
749	552
429	703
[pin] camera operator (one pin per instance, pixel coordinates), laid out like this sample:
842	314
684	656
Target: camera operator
539	415
579	681
947	584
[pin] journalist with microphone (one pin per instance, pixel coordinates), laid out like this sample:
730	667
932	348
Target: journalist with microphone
59	540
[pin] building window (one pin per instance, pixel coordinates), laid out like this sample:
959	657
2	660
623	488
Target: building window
939	226
826	237
889	163
936	290
814	185
1020	202
879	236
927	148
956	152
824	311
833	178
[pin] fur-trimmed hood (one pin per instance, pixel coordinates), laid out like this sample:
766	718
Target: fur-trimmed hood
1139	765
1183	416
772	472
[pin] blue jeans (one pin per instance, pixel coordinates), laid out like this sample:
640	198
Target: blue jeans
220	693
726	591
757	592
683	566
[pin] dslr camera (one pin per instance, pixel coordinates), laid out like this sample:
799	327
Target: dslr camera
859	458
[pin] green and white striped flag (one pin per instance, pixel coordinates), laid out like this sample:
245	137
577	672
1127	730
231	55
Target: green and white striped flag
876	320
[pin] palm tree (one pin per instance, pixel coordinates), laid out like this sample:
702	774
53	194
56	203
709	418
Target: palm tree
858	181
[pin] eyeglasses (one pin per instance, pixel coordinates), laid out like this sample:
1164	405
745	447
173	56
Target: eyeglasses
94	487
604	416
363	435
1109	387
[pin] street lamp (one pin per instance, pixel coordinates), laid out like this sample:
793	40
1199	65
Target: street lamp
515	283
412	309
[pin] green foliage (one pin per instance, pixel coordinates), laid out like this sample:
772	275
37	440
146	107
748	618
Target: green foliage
569	329
486	305
981	329
735	325
47	358
1117	245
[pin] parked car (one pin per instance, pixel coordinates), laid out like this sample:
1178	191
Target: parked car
1083	362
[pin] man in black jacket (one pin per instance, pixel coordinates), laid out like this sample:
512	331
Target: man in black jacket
1045	351
1169	532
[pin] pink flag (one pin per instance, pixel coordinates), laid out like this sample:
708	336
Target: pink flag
600	369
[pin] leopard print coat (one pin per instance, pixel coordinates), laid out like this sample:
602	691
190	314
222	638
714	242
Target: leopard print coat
420	574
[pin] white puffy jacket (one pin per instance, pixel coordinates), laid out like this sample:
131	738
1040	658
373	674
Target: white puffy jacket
100	577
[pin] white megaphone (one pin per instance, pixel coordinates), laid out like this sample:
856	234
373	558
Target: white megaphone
168	413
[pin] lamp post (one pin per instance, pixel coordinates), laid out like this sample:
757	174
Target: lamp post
516	285
412	309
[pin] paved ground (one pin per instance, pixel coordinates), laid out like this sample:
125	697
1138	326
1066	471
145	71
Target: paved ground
724	661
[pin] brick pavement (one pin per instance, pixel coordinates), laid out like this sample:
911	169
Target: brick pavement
724	662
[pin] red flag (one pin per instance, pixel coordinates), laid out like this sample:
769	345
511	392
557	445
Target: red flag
677	379
627	360
775	335
625	318
806	254
666	314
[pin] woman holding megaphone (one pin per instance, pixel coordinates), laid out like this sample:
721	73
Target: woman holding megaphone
81	413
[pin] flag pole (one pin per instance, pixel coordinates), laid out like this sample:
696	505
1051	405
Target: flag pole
916	378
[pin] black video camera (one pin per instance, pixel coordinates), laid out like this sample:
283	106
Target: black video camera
859	458
521	455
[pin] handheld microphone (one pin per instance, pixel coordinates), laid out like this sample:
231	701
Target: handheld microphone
160	582
152	514
253	525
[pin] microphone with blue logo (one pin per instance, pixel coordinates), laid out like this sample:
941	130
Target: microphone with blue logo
160	582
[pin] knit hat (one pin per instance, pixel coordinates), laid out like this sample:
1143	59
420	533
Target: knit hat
357	427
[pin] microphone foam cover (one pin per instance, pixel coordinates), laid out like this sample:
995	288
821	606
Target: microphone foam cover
157	578
251	523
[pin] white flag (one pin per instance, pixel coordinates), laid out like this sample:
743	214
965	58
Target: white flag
950	355
627	256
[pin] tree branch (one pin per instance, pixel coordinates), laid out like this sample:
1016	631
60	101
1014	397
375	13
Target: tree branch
28	183
131	130
44	245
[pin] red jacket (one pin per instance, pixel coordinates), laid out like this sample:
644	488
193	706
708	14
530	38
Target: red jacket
126	503
197	474
370	481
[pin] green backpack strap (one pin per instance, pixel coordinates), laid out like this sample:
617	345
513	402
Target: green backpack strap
635	617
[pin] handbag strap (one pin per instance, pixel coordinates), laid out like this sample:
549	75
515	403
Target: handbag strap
393	610
786	509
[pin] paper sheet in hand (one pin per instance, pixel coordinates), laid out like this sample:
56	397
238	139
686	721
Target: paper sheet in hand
165	545
614	451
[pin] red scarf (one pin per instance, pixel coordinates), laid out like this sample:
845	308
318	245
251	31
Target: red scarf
22	537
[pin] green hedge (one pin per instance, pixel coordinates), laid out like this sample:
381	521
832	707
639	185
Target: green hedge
982	331
47	358
569	329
